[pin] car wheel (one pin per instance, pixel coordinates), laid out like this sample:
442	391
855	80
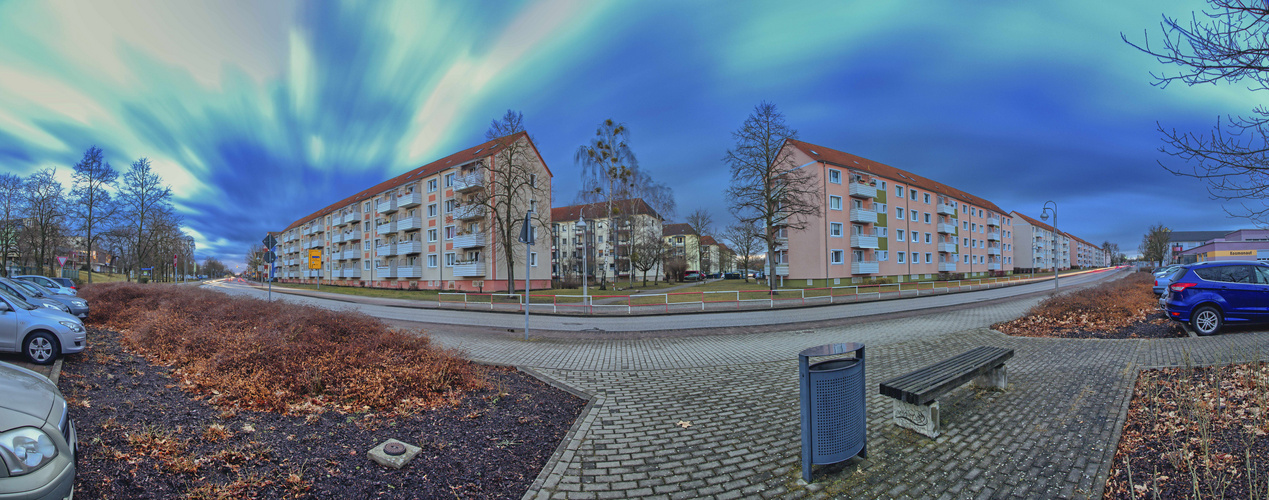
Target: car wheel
40	348
1206	320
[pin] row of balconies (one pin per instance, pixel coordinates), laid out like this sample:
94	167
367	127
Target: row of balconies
861	190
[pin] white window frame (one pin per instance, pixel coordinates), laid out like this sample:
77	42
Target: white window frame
899	256
834	176
836	257
835	227
431	235
431	185
533	259
432	260
431	210
929	258
899	235
834	202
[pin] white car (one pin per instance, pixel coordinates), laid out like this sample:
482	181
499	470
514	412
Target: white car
49	283
40	333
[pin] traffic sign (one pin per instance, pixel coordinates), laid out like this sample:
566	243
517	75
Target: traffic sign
314	258
61	261
270	241
270	257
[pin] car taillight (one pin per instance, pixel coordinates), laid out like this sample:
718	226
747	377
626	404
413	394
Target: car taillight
1176	287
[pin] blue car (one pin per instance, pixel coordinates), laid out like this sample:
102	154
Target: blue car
1210	294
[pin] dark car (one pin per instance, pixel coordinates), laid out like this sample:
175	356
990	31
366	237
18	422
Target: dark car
691	276
1208	295
731	276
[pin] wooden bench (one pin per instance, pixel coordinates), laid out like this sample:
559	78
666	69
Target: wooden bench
916	394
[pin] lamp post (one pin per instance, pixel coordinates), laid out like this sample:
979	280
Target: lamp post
581	226
1044	215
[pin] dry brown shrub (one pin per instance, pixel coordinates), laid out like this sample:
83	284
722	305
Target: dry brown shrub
278	356
1104	307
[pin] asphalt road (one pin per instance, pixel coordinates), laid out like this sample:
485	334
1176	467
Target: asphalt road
709	320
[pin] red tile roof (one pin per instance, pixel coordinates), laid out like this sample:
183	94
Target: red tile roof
482	150
847	160
1034	222
677	229
596	210
708	240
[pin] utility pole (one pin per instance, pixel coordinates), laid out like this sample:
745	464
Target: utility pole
526	237
1044	215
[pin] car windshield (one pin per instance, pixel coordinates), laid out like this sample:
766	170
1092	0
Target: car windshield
15	300
33	288
8	286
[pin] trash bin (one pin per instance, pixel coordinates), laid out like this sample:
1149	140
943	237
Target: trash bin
834	409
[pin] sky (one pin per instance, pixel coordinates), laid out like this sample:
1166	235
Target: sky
259	113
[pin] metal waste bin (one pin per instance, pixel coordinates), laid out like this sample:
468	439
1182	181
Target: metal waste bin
834	409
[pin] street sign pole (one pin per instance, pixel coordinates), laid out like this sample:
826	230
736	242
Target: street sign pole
526	237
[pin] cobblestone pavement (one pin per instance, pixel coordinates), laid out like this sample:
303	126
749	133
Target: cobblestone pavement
1050	434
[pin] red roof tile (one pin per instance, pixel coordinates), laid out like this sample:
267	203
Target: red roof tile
677	229
596	210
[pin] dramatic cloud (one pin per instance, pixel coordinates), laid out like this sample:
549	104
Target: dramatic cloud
260	113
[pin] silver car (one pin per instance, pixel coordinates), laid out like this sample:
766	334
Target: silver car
39	333
23	293
49	283
37	437
76	306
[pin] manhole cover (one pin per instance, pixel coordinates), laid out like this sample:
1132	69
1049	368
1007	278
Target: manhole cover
394	449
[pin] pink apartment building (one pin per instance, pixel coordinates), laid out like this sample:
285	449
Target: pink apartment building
878	221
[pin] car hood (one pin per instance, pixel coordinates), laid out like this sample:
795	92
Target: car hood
24	391
53	314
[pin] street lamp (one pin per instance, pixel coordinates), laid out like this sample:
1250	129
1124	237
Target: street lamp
581	226
1044	215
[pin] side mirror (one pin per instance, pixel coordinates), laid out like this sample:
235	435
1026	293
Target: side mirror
4	307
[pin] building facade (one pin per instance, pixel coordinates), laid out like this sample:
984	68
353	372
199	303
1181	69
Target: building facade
1179	242
880	221
634	223
1243	244
1036	250
438	226
684	243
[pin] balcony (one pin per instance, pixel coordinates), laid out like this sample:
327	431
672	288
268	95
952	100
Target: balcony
385	250
387	206
385	272
946	247
862	241
410	224
993	221
350	217
313	273
338	237
993	235
469	211
860	190
409	247
782	269
469	269
865	267
946	228
352	236
947	267
863	215
474	240
993	251
410	200
993	266
351	254
317	243
350	273
468	182
945	209
388	228
409	271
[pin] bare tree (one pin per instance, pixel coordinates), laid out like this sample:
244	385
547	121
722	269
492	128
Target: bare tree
608	167
254	259
701	221
647	250
674	268
767	188
45	202
213	268
118	243
1112	251
91	204
509	187
511	123
11	211
746	240
1154	244
1228	44
144	200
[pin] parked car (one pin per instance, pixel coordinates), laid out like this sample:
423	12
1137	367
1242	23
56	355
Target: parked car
692	276
37	438
1210	294
75	306
731	276
1161	280
26	294
39	333
48	283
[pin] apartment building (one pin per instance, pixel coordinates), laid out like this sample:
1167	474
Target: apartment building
878	220
1038	251
683	242
1085	255
633	222
435	227
715	256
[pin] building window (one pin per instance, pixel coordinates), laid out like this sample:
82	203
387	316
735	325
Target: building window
879	207
449	259
965	225
367	207
835	202
533	259
835	229
916	258
533	180
449	180
966	259
898	191
899	257
431	210
431	260
927	197
367	266
834	176
929	257
883	231
431	235
927	237
835	257
898	235
449	206
914	215
898	212
916	237
927	217
431	185
882	184
881	255
450	232
913	192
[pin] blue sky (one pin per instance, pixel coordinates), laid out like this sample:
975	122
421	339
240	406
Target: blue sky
258	113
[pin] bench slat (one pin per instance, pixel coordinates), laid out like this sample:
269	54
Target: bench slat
927	384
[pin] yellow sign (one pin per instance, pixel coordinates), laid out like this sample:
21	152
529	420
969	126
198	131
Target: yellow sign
1235	253
314	259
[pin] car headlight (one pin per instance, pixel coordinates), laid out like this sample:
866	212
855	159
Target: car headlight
51	305
26	449
75	327
79	303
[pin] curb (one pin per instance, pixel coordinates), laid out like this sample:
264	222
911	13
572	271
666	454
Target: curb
557	465
57	370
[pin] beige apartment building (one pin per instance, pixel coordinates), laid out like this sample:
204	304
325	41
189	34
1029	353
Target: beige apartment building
1039	252
683	242
880	221
636	224
434	227
715	257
